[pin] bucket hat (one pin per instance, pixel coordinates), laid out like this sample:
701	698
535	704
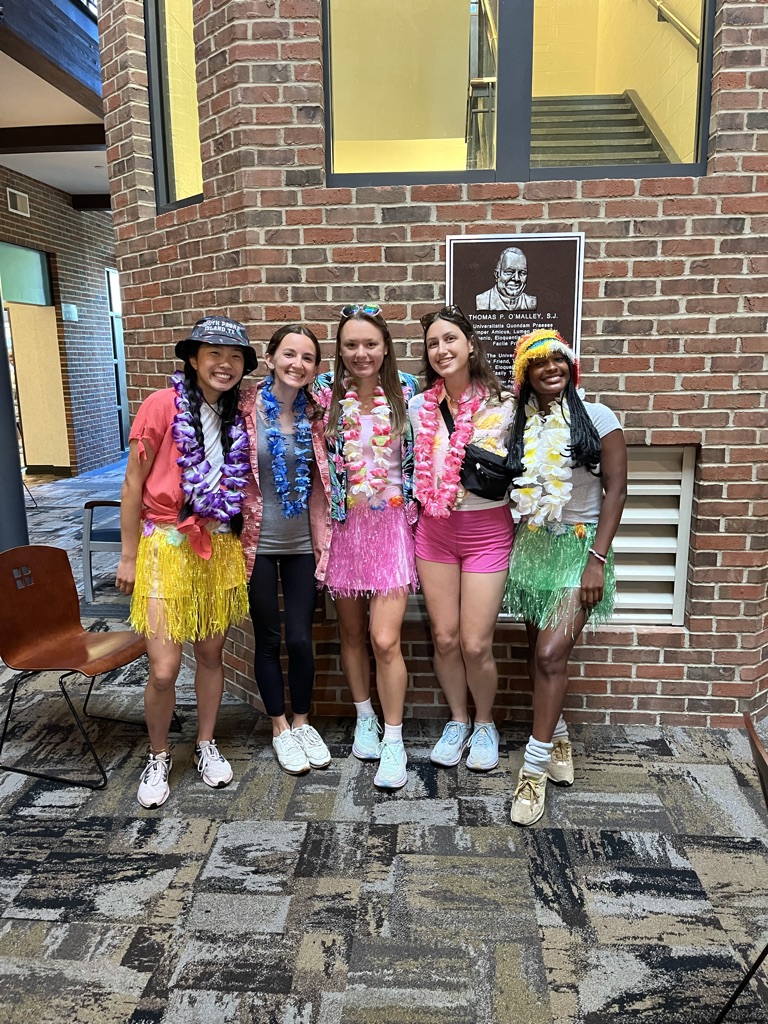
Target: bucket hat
218	330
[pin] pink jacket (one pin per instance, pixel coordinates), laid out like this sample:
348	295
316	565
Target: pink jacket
319	500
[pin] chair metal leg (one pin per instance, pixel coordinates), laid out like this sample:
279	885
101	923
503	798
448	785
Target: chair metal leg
45	775
176	720
742	985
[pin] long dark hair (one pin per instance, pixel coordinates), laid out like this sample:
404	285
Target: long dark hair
388	375
228	410
585	444
480	371
312	409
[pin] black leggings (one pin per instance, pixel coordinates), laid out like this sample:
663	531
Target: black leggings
297	575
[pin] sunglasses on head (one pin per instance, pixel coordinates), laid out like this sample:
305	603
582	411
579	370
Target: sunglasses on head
369	308
446	313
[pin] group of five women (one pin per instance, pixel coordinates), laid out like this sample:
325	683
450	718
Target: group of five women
357	481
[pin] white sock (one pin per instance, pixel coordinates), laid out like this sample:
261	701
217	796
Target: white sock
364	709
393	733
537	755
561	730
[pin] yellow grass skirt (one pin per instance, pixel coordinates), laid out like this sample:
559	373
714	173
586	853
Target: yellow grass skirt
199	598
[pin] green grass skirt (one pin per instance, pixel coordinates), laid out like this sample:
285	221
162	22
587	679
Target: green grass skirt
545	568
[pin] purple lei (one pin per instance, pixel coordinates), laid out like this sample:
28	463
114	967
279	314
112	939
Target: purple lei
226	500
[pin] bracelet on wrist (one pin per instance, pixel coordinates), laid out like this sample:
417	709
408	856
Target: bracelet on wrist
598	556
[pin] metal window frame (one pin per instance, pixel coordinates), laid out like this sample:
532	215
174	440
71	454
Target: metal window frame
159	126
514	96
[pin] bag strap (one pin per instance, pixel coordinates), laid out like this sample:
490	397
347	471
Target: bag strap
447	418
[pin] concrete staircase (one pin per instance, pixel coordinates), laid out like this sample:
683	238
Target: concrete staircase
570	131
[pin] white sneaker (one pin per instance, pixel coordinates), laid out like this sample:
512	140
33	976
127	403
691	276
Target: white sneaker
483	747
153	785
214	768
367	744
310	741
392	773
451	745
290	754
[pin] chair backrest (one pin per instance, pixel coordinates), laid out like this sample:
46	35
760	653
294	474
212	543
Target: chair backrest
759	755
38	597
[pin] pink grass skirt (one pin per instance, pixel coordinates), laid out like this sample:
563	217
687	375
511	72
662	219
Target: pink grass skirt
371	553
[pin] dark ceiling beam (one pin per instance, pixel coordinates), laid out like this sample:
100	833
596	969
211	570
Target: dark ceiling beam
53	47
92	201
53	138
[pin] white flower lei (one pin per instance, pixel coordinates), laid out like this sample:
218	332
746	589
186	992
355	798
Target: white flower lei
544	489
381	443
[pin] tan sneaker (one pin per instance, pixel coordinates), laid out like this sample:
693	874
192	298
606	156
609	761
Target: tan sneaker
528	799
560	768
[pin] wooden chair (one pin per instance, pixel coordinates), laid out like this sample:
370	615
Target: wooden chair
101	538
41	631
760	757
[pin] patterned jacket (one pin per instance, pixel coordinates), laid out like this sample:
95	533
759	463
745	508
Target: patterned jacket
319	499
321	390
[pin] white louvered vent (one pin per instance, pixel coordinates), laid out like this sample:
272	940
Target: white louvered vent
651	546
18	202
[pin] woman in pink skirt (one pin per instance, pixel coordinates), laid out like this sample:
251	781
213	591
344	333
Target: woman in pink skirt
371	567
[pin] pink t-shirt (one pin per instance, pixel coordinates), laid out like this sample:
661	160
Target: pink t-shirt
162	497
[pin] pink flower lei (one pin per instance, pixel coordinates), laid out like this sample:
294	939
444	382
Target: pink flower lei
438	497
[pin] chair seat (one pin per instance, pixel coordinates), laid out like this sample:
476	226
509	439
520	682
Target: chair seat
87	653
106	536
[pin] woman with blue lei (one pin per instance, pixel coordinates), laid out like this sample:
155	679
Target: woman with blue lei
180	517
286	536
372	565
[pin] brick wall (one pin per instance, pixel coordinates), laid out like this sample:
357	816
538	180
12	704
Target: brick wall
674	315
80	244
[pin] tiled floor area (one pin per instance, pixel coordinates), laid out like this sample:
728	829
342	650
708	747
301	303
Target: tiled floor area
317	900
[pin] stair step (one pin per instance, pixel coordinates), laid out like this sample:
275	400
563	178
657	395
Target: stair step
575	101
597	160
606	131
587	120
592	143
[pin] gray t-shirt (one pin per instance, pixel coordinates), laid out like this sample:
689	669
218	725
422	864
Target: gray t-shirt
278	535
587	494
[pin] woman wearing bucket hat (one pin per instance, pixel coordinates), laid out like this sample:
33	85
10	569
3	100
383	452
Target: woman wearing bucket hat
181	560
570	466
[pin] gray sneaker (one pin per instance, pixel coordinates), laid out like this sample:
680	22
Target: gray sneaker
452	744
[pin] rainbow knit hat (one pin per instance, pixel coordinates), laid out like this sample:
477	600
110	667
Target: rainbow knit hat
538	345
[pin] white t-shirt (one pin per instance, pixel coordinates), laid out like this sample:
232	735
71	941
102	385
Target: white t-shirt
587	493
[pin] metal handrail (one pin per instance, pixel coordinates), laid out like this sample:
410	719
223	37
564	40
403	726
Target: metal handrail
493	32
672	19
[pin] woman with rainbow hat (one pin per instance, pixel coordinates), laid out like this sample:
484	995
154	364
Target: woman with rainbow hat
570	485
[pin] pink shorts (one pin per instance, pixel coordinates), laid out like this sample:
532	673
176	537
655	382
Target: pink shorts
478	541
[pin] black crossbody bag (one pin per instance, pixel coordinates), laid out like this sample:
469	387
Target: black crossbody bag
482	472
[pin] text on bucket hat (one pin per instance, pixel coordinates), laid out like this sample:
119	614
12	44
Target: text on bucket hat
218	330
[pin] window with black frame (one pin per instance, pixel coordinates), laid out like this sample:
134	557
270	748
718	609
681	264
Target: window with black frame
173	102
514	89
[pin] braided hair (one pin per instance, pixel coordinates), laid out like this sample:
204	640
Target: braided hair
228	412
585	447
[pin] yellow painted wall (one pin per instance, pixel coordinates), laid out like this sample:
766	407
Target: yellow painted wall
186	163
637	52
565	47
399	69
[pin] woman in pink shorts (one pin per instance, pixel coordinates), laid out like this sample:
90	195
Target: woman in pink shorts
463	541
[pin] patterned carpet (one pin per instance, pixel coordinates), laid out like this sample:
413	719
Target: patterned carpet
638	898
